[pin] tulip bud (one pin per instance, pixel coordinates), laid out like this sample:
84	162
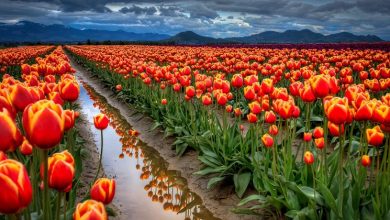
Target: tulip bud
319	142
118	88
307	136
164	102
70	116
101	121
103	190
26	148
90	209
318	132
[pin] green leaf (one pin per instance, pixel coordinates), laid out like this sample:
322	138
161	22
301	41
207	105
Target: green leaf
312	194
328	197
241	182
213	181
250	198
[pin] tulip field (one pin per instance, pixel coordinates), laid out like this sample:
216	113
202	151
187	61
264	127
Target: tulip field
296	133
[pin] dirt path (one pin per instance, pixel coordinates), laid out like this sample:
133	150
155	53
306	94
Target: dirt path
219	200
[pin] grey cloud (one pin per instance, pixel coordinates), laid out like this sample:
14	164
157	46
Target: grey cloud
139	10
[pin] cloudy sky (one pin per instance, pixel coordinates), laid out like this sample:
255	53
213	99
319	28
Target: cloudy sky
216	18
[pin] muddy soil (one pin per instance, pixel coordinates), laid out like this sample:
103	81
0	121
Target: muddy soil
219	200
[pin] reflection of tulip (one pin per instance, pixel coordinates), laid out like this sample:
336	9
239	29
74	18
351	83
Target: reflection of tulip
267	140
308	158
90	210
61	171
69	90
103	190
366	161
10	136
43	123
101	121
375	136
15	190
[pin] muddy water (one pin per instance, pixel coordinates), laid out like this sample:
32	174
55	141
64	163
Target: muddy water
146	189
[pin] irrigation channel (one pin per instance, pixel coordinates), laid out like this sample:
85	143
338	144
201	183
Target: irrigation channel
146	188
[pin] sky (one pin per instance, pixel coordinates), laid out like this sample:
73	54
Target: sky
215	18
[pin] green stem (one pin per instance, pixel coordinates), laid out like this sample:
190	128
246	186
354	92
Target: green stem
59	200
46	211
341	173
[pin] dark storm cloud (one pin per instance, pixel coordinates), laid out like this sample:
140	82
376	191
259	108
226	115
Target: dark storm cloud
139	10
209	17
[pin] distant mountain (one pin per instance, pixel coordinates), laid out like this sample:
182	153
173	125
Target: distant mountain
24	31
189	37
303	36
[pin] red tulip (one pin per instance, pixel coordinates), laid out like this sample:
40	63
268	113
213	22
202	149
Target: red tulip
318	132
190	91
267	86
366	161
164	101
44	123
237	81
308	158
222	99
267	140
69	90
206	100
101	121
26	148
10	136
337	110
249	93
229	108
319	143
118	87
252	118
273	130
269	117
3	156
69	116
255	107
307	136
21	96
103	190
15	190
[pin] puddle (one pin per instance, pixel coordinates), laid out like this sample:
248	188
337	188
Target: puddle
146	189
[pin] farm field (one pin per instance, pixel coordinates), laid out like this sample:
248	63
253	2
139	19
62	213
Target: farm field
194	132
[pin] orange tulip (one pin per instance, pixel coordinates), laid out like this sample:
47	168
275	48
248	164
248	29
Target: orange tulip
229	108
10	136
249	93
44	123
21	96
56	98
190	91
15	190
70	116
381	114
237	112
337	110
366	161
375	136
308	158
26	148
222	99
365	111
90	210
307	94
5	103
101	121
267	86
60	171
69	89
103	190
267	140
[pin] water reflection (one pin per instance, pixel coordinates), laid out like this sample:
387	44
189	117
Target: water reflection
162	187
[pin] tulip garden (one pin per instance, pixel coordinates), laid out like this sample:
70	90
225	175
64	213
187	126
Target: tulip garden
298	133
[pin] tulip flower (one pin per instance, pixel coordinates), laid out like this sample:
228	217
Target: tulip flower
267	86
366	161
375	136
164	101
90	209
307	94
118	88
206	100
308	158
269	117
307	136
26	148
229	108
255	107
267	140
381	114
56	98
61	171
273	130
334	129
101	121
21	96
15	190
237	81
237	112
337	110
249	93
44	124
252	118
103	190
222	99
3	156
69	116
10	136
190	91
318	132
69	90
319	143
